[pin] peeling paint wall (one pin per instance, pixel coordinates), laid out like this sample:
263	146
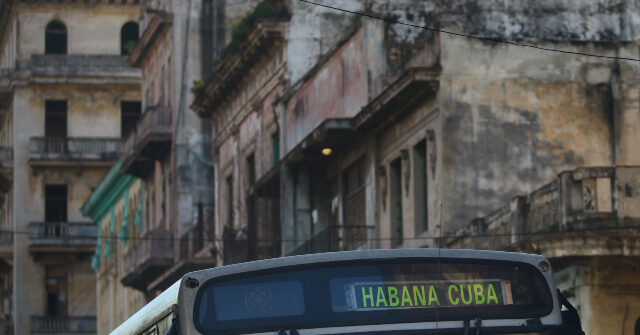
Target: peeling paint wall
93	110
337	90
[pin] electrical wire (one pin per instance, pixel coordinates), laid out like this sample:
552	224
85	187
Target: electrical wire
440	238
488	39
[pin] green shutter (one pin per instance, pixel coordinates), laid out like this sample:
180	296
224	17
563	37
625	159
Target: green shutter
107	247
137	221
95	261
123	234
126	205
112	222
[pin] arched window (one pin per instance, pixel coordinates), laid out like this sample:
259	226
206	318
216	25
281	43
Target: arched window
55	40
128	37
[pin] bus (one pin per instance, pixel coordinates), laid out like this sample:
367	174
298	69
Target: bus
399	291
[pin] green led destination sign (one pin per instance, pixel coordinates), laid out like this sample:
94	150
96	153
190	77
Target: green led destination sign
407	295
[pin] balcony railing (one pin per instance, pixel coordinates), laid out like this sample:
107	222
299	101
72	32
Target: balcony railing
151	255
62	236
82	66
353	237
73	150
6	238
63	325
338	238
149	141
583	201
6	169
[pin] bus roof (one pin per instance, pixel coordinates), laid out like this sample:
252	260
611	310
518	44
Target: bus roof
162	305
148	315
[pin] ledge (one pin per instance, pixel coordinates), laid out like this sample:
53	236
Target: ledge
81	68
158	22
230	70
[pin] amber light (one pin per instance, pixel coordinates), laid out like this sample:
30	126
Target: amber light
327	151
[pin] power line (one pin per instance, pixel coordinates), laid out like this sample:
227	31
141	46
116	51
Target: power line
489	39
441	237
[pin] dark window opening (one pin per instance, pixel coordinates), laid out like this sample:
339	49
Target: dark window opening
420	186
55	200
229	184
275	147
251	170
354	205
395	190
55	118
55	41
56	288
637	330
130	112
128	37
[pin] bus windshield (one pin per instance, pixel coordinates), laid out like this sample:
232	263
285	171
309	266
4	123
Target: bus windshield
370	292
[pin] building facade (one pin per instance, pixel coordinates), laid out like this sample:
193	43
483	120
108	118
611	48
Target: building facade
166	159
66	92
116	207
334	132
586	222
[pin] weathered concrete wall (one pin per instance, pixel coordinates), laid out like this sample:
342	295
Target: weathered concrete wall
91	28
604	290
93	110
116	303
513	122
10	44
337	90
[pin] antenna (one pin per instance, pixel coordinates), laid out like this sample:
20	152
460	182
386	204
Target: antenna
439	265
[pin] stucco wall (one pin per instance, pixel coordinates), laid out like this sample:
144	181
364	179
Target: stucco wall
91	28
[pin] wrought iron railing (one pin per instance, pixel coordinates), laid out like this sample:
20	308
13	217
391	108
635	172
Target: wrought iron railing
156	121
74	149
153	246
63	325
62	234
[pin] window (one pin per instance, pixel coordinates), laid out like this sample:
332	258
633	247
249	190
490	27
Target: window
637	328
354	205
129	114
55	202
229	184
275	147
251	170
395	190
55	40
56	288
55	118
128	37
420	186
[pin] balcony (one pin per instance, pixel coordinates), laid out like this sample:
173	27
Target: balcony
63	325
6	325
65	237
87	69
587	210
147	259
71	151
6	170
338	238
6	246
194	252
150	140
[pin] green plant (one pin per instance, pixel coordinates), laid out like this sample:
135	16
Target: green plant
268	9
129	46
